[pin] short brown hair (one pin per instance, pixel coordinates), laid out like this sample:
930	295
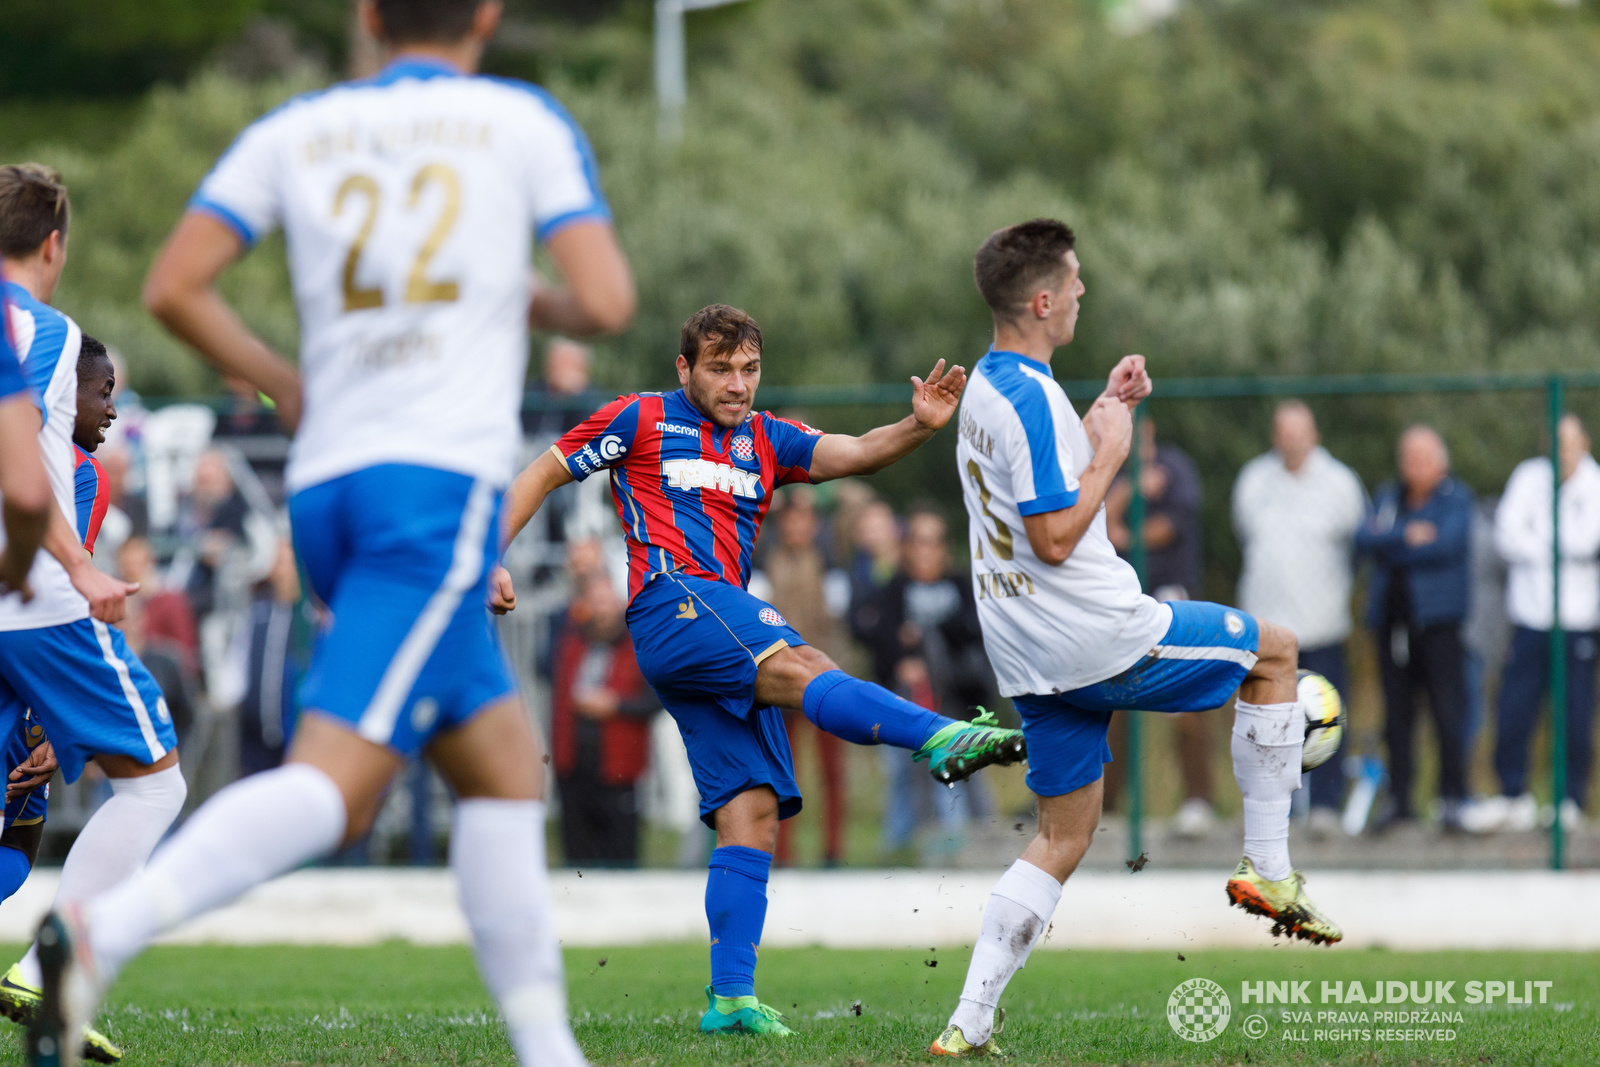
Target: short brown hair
1015	261
426	21
724	329
33	202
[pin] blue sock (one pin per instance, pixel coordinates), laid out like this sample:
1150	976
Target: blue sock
13	871
736	908
868	714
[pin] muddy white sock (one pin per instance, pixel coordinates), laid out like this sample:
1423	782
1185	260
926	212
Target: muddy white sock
1018	911
1266	744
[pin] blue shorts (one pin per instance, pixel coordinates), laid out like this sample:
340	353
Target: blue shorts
1200	661
87	690
401	556
699	644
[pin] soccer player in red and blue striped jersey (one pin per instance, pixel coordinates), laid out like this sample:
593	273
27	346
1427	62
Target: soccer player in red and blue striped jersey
97	380
692	474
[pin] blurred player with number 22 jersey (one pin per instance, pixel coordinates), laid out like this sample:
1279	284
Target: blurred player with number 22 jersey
410	202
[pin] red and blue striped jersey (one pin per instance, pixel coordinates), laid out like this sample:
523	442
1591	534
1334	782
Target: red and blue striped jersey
91	494
691	495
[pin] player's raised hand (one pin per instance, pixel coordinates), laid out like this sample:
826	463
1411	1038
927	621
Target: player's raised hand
1129	381
935	400
502	593
107	596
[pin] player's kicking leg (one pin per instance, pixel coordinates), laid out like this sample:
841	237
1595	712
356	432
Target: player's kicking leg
801	677
1268	732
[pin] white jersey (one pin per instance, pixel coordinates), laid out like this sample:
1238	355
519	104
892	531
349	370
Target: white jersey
1047	629
410	202
47	343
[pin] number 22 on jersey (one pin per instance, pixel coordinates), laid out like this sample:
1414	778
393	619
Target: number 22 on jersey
419	288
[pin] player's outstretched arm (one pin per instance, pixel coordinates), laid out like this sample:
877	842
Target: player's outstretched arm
523	500
26	490
596	295
1054	534
107	596
180	291
932	403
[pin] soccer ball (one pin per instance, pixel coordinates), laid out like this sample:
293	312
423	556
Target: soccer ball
1324	713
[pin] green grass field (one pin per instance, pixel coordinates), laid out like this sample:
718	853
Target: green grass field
400	1004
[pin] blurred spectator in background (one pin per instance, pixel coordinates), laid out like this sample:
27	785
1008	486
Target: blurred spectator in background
212	521
1296	510
167	620
269	654
1523	536
126	515
1171	488
876	555
600	712
796	569
1419	537
922	632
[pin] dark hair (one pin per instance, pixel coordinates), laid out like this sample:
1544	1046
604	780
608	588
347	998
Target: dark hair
1015	261
91	353
33	202
927	509
426	21
724	329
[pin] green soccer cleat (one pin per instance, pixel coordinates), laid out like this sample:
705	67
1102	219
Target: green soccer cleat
740	1015
962	748
19	1002
1284	902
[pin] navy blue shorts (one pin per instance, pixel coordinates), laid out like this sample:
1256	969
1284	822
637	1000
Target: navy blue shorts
87	690
1200	661
401	556
699	645
31	807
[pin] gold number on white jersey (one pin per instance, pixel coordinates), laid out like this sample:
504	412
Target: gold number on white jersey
357	299
1000	540
419	288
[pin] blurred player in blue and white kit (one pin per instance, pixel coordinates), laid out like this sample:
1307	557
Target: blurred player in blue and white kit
1071	636
29	757
410	202
59	655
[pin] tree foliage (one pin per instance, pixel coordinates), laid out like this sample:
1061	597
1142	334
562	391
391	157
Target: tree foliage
1260	187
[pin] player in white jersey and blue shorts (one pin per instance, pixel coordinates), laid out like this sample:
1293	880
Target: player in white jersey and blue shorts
410	202
1072	637
60	653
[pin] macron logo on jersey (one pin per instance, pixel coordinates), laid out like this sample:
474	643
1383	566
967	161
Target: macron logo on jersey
704	474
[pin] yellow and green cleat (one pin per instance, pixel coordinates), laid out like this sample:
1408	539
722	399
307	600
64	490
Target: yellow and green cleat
962	748
954	1043
1284	902
740	1015
20	1001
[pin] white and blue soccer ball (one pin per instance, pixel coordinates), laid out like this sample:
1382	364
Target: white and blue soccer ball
1325	719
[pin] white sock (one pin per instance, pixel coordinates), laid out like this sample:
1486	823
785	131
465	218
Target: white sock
1019	910
497	851
116	841
1266	744
254	830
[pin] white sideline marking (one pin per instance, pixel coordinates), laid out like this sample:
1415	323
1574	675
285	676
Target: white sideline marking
900	909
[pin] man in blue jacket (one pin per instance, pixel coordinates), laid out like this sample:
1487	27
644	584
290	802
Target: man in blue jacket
1419	536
